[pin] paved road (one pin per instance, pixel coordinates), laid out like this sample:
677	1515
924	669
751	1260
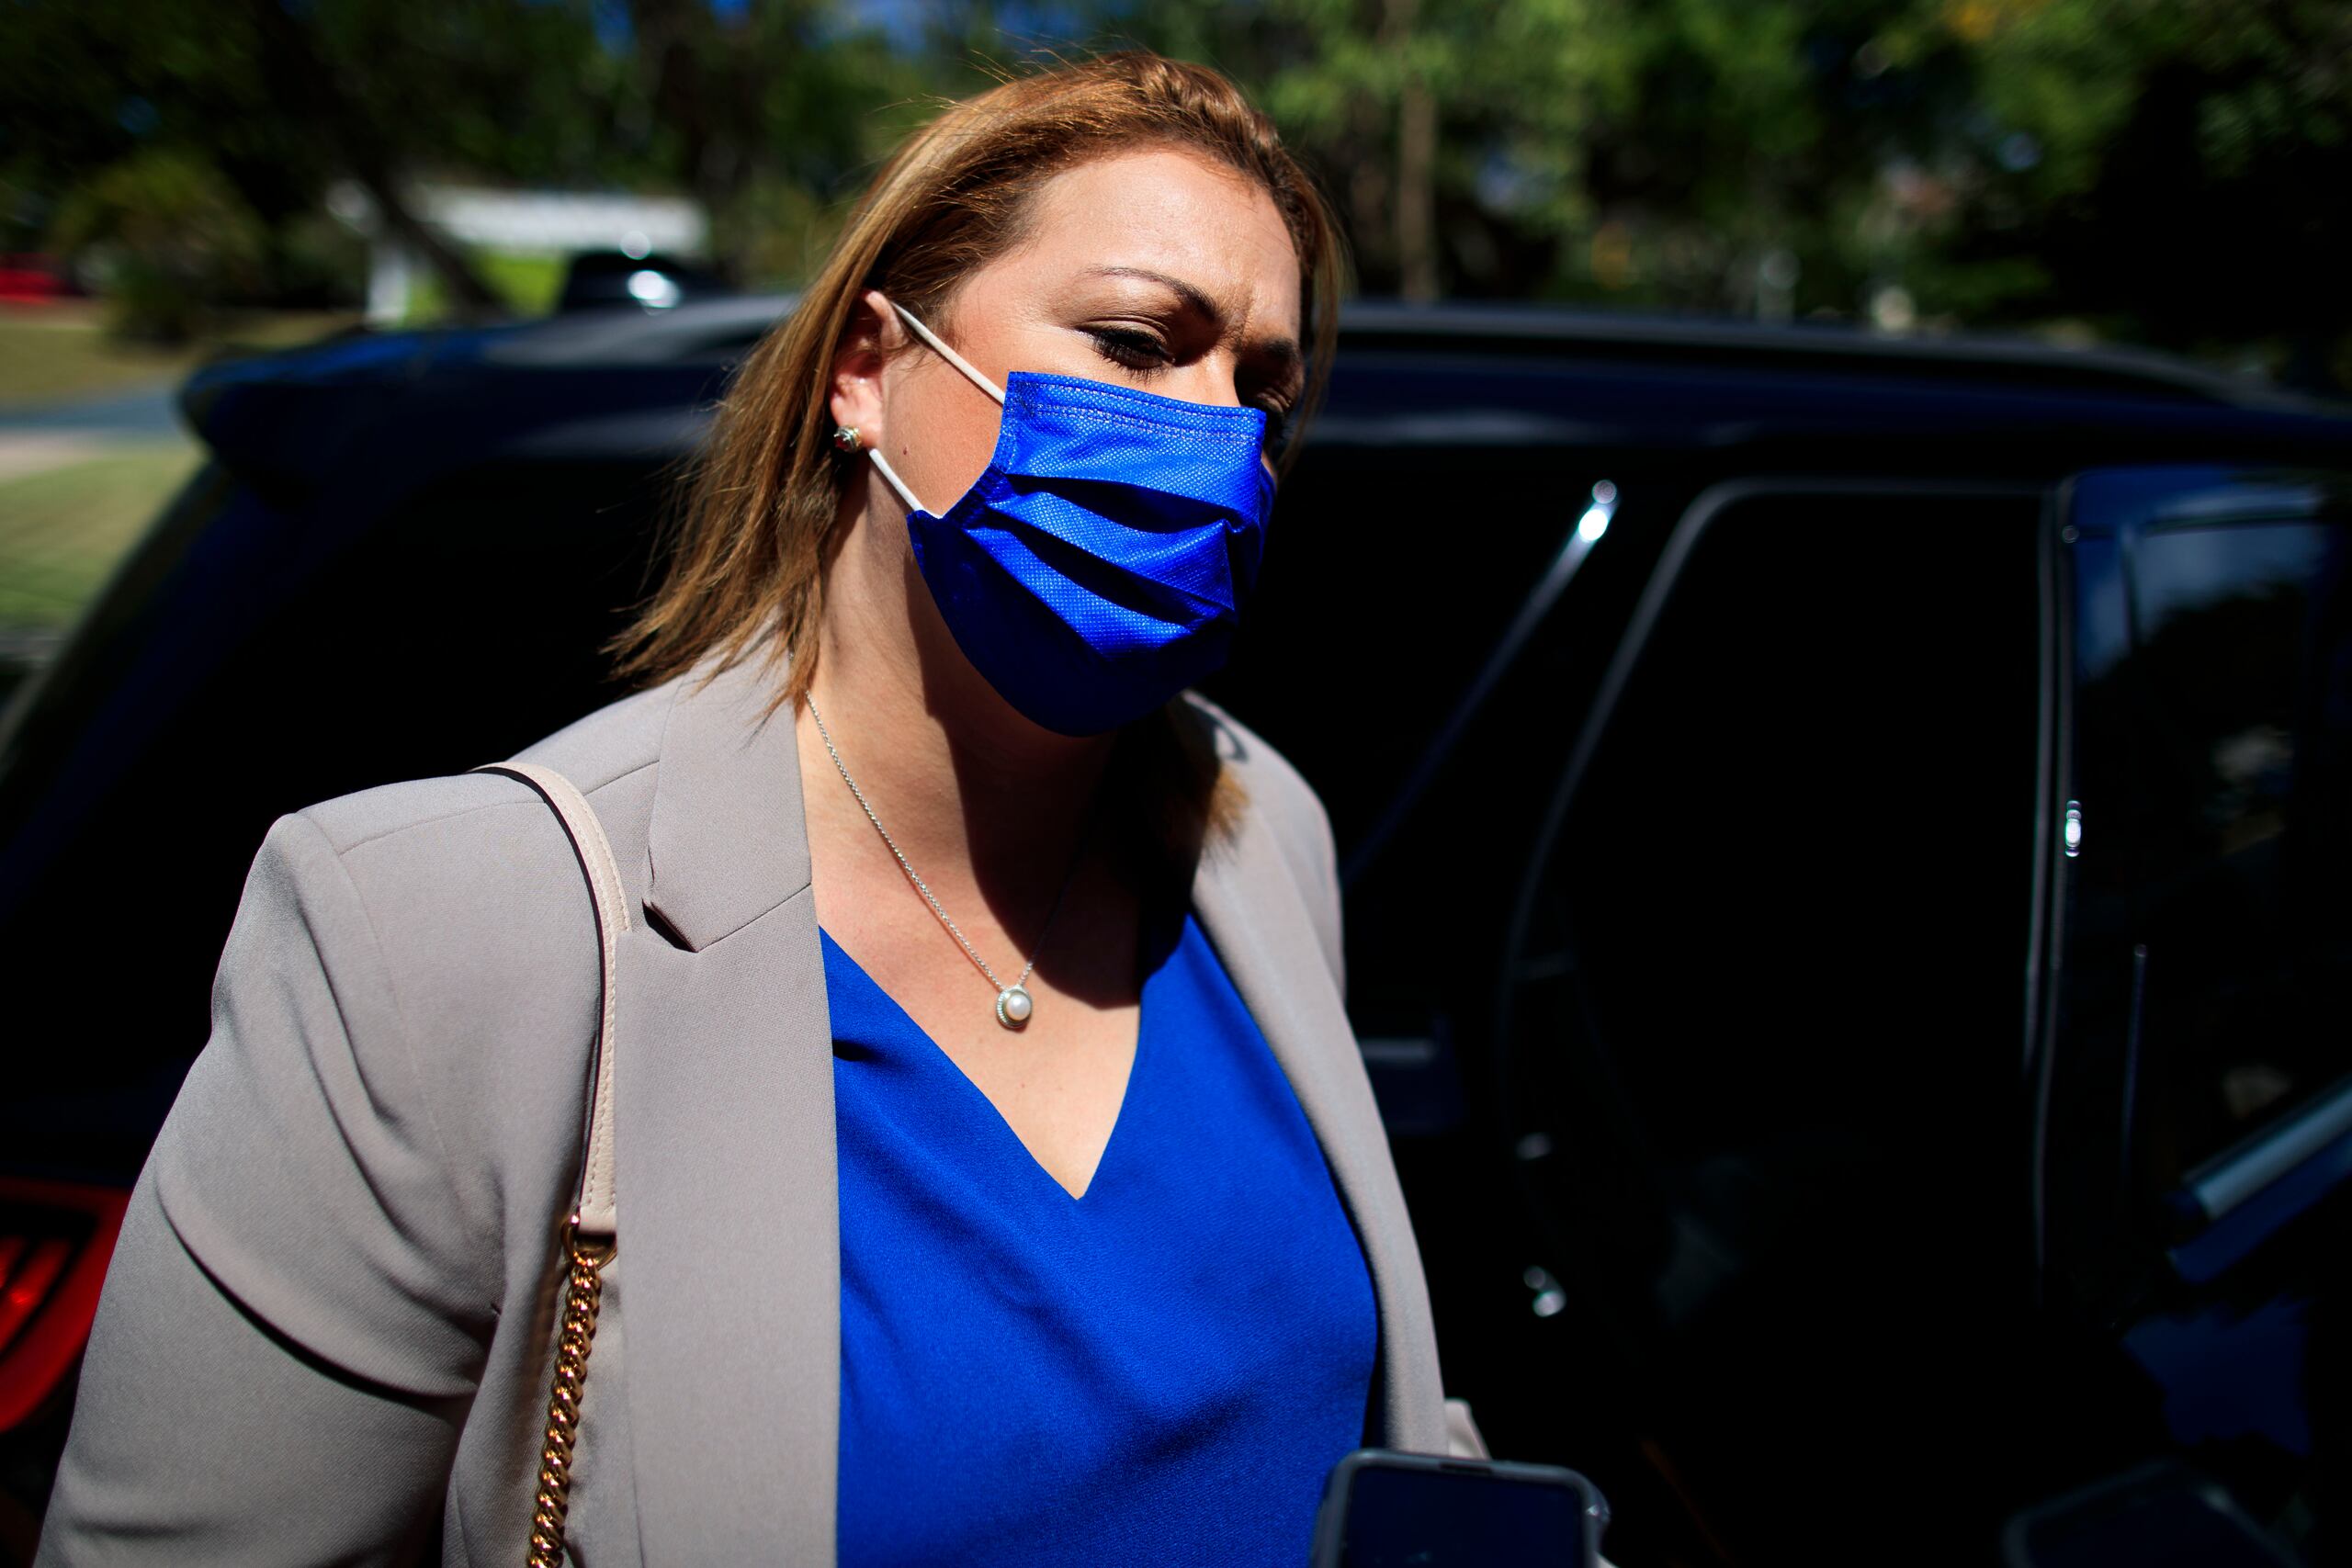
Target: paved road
35	440
145	412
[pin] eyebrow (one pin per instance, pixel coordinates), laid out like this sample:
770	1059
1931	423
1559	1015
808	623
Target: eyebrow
1282	351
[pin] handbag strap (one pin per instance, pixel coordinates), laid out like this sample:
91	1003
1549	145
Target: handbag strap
589	1242
593	1219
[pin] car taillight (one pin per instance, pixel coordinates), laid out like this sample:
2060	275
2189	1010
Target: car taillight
55	1238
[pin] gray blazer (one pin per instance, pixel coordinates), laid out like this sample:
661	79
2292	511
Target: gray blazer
325	1336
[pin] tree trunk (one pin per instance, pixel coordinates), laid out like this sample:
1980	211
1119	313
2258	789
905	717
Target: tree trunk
708	88
1416	164
295	68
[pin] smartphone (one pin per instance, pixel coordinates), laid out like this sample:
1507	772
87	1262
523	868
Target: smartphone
1385	1509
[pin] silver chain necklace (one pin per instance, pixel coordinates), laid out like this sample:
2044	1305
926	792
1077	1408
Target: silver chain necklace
1014	1005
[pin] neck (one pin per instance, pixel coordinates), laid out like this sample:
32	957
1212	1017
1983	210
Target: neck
958	775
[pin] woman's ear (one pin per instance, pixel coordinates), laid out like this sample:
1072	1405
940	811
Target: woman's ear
866	347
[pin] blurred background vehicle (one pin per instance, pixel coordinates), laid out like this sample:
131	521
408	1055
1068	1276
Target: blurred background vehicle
32	279
1879	1065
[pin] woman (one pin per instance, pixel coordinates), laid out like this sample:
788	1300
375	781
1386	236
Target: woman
914	722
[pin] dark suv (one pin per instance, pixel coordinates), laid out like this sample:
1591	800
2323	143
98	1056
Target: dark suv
1846	846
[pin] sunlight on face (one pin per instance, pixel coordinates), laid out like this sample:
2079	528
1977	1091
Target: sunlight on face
1159	269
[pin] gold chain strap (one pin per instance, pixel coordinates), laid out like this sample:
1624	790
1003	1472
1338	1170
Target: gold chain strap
583	1282
577	1331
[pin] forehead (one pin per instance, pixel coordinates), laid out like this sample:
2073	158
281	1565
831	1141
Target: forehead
1173	212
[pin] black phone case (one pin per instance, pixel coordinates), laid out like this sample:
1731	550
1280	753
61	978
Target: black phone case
1331	1519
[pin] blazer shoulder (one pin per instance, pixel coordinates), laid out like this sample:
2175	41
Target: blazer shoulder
434	942
469	897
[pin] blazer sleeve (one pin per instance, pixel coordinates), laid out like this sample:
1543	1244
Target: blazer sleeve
297	1311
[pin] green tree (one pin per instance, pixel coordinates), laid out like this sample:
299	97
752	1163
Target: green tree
1450	134
767	113
1682	153
766	110
2176	168
2169	170
173	238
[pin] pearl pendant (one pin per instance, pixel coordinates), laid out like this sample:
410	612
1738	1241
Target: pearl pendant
1014	1006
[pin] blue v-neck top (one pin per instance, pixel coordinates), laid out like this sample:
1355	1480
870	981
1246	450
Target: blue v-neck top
1161	1370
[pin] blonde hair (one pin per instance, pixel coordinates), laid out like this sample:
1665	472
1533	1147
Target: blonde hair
750	539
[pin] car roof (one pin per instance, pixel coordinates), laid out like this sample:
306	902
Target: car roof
1423	376
717	331
1551	332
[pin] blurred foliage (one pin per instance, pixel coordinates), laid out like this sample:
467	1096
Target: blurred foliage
170	236
316	261
2186	166
2164	170
778	229
763	111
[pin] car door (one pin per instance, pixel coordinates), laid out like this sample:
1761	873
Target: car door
1764	1003
2194	1064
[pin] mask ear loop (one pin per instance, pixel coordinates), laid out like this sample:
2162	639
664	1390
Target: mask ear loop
890	477
881	464
949	354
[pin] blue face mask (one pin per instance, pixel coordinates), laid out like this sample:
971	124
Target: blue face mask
1098	565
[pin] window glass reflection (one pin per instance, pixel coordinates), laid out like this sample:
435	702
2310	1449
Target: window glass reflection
2241	687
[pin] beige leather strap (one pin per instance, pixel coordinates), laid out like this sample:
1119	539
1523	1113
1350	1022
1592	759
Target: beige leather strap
595	1220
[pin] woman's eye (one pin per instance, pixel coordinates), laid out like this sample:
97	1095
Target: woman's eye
1277	426
1278	421
1136	351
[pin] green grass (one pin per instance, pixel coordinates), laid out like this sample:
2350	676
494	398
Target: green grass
48	357
53	353
530	283
62	530
57	352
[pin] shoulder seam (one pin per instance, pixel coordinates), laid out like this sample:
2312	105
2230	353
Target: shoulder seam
470	810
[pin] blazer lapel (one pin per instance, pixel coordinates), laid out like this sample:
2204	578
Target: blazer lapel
1251	911
724	1161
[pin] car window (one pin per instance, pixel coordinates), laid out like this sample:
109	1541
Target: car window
1770	1015
2241	683
1782	934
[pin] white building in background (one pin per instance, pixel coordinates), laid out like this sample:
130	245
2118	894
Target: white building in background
549	222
